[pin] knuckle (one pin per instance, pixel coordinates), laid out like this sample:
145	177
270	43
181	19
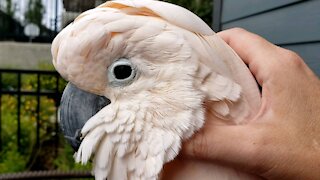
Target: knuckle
255	149
238	30
293	59
259	142
265	145
200	147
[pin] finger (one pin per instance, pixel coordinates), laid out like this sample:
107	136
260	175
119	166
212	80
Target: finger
234	145
260	55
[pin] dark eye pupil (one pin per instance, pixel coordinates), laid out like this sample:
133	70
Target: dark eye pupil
122	71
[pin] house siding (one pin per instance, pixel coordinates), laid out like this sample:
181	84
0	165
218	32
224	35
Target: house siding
292	24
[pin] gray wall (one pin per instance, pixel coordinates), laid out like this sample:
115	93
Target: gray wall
293	24
15	55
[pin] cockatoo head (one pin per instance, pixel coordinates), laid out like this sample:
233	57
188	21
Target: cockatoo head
120	53
139	72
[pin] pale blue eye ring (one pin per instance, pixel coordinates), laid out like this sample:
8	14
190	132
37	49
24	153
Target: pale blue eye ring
121	73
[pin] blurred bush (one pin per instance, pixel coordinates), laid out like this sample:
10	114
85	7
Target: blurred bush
50	154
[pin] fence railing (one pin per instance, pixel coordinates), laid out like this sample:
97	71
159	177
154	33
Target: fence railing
11	84
40	85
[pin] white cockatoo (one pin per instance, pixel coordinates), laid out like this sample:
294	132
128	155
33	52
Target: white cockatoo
140	73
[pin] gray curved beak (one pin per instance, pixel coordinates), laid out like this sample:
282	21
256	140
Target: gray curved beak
76	108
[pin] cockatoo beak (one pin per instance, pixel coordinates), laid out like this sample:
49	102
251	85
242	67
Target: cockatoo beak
77	107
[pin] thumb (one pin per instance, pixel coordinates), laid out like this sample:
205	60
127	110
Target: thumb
233	145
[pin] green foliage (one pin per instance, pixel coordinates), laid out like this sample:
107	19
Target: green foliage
12	161
202	8
9	9
65	160
46	66
35	12
30	156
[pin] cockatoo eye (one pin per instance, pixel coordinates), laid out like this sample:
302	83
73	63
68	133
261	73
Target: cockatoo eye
121	72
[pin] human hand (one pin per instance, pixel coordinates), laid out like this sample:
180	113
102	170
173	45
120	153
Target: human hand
283	140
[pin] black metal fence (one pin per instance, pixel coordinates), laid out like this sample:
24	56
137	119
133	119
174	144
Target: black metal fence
19	84
11	84
47	175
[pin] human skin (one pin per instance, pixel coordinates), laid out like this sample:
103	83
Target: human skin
283	140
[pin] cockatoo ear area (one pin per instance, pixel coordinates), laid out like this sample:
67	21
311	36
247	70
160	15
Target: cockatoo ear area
221	92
